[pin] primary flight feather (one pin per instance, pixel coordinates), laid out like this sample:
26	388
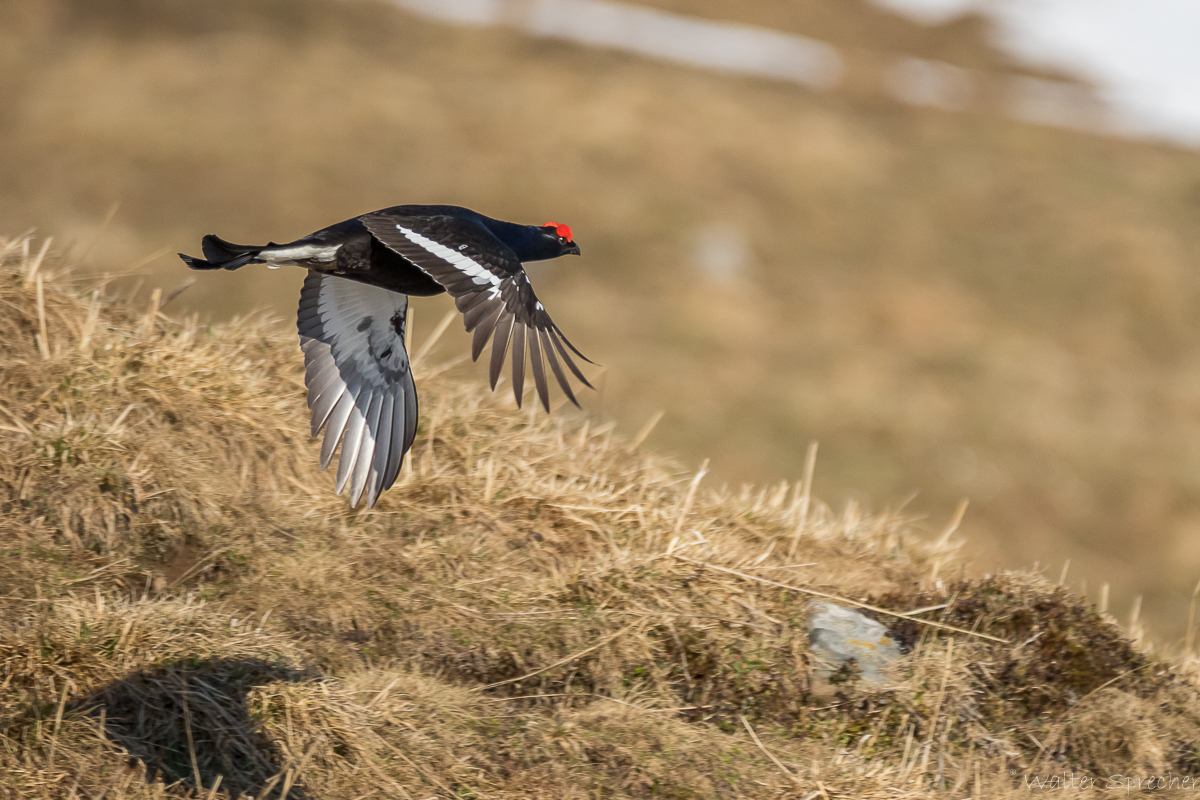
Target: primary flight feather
353	307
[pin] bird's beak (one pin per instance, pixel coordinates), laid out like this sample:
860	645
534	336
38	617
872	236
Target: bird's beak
572	249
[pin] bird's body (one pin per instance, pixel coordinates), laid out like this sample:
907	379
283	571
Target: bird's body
353	307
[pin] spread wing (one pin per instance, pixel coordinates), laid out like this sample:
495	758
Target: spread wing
491	289
360	387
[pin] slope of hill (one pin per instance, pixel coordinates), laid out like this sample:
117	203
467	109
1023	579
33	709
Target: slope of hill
537	609
955	305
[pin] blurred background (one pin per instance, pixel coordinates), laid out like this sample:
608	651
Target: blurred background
956	243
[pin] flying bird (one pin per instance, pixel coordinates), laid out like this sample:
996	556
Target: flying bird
353	308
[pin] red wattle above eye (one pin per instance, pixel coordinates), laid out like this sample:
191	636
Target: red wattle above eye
562	230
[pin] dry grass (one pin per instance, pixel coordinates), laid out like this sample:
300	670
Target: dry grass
956	304
534	611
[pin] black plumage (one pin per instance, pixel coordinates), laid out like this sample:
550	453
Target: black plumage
353	308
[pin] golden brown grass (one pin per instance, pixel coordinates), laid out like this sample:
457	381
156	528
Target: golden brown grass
536	609
955	305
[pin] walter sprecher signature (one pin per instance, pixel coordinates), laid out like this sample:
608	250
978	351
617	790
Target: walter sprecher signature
1071	781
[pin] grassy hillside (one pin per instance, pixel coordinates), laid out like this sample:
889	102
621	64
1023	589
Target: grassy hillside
537	609
954	305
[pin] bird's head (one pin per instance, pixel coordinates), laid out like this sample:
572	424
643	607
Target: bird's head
558	238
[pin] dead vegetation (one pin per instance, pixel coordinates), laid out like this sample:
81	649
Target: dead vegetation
955	303
535	610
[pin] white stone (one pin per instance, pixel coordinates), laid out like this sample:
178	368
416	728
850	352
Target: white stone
837	634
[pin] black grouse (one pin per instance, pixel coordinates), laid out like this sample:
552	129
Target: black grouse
353	306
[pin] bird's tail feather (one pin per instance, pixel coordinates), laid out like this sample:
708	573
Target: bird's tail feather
221	254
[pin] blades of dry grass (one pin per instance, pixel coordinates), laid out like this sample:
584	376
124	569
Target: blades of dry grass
841	599
431	777
144	260
690	497
58	715
43	338
687	670
288	780
952	526
383	692
89	325
37	261
212	792
151	312
787	772
270	784
647	429
7	247
937	706
187	283
18	424
450	316
569	658
187	727
108	218
810	468
1111	681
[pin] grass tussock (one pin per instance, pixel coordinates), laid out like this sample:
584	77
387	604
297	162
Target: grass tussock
533	611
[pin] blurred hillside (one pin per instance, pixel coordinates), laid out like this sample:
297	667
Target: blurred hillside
956	305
